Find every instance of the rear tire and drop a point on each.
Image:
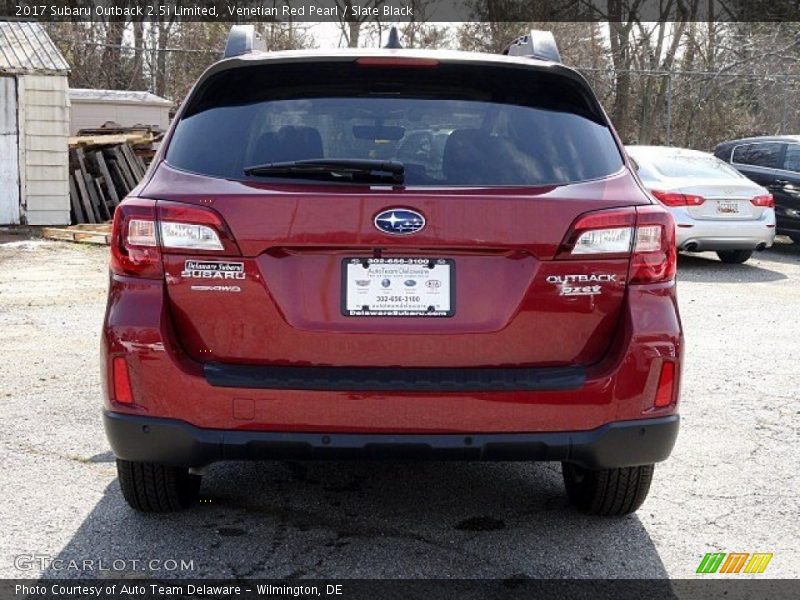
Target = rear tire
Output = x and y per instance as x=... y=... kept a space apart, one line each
x=150 y=487
x=734 y=257
x=607 y=492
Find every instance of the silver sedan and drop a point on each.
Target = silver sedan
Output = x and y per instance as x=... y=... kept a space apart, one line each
x=715 y=207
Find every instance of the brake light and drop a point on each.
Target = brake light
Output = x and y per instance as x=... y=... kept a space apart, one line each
x=766 y=200
x=646 y=234
x=666 y=385
x=396 y=62
x=122 y=382
x=134 y=245
x=677 y=199
x=143 y=229
x=655 y=256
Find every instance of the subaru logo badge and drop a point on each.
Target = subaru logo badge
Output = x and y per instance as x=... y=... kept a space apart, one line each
x=399 y=221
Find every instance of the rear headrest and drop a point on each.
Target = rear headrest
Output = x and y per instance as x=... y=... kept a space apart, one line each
x=291 y=142
x=465 y=155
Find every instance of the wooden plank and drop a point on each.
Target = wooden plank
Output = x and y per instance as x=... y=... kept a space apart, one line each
x=103 y=167
x=130 y=180
x=77 y=209
x=105 y=209
x=104 y=228
x=99 y=206
x=132 y=162
x=100 y=211
x=70 y=235
x=86 y=200
x=119 y=177
x=111 y=140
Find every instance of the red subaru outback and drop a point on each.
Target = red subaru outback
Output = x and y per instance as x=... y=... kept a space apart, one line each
x=392 y=253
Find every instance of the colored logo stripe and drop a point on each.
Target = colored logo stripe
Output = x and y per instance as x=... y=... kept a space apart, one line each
x=735 y=561
x=711 y=562
x=758 y=562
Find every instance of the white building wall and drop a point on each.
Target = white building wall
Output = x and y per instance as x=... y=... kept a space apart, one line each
x=90 y=115
x=44 y=154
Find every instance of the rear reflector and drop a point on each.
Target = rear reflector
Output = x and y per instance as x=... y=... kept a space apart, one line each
x=666 y=385
x=767 y=201
x=677 y=199
x=122 y=382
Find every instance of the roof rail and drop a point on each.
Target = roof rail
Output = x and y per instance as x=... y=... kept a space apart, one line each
x=242 y=39
x=536 y=44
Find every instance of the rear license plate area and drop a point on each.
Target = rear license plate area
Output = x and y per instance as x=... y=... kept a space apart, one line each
x=727 y=208
x=398 y=287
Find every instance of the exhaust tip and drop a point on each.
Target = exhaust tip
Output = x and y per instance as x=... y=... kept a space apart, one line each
x=690 y=247
x=761 y=247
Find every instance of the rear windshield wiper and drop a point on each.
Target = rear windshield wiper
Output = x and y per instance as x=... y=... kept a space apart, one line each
x=355 y=170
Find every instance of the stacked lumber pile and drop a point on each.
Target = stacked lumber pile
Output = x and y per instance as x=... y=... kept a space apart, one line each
x=87 y=234
x=105 y=165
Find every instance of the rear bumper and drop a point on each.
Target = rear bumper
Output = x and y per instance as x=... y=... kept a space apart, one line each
x=700 y=235
x=174 y=442
x=168 y=384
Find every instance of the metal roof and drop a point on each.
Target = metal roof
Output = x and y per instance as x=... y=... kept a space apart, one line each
x=117 y=97
x=26 y=48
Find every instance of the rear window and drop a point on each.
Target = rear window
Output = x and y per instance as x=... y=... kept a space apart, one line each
x=450 y=125
x=694 y=167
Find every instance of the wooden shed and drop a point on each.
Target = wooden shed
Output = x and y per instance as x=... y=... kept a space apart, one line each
x=92 y=108
x=34 y=127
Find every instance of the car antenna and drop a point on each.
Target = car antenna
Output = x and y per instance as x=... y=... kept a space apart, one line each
x=394 y=39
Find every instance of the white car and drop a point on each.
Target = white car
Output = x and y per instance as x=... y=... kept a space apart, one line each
x=714 y=206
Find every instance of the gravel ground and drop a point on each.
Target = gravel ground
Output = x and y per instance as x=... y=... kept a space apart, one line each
x=730 y=486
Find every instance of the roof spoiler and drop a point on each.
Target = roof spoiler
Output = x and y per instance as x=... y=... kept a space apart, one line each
x=242 y=39
x=536 y=44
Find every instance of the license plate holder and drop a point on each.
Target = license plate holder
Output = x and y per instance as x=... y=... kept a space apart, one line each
x=398 y=287
x=727 y=208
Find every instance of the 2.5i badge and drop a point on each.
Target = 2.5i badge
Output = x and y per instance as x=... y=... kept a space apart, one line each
x=213 y=269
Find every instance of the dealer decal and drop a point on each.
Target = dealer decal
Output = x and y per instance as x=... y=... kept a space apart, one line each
x=213 y=269
x=581 y=284
x=216 y=288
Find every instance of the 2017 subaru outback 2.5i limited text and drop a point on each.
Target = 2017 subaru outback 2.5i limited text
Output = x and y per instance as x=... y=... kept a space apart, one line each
x=391 y=253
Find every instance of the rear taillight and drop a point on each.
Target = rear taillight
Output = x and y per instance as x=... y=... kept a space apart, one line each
x=677 y=199
x=143 y=229
x=134 y=245
x=655 y=257
x=606 y=233
x=767 y=201
x=645 y=234
x=199 y=229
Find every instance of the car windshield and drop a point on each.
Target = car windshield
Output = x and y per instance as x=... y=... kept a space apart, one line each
x=500 y=131
x=694 y=167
